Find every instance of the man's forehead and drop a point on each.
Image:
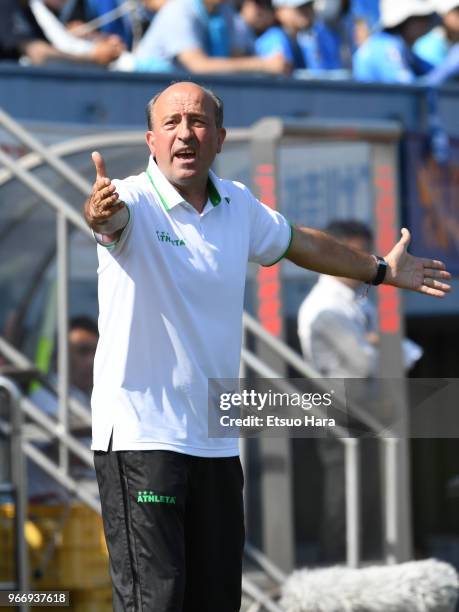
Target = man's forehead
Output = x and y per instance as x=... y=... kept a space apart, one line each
x=182 y=92
x=183 y=99
x=190 y=100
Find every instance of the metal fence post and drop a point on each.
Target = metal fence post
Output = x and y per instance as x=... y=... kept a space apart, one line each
x=276 y=461
x=244 y=442
x=353 y=506
x=390 y=516
x=62 y=333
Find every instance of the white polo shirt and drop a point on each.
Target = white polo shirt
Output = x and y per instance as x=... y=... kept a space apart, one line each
x=171 y=297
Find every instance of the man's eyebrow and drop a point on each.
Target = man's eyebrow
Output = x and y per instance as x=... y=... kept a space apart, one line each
x=169 y=116
x=192 y=115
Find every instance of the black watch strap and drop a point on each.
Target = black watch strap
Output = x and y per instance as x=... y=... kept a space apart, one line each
x=381 y=270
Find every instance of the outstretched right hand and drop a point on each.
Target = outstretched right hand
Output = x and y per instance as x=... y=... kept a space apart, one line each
x=103 y=203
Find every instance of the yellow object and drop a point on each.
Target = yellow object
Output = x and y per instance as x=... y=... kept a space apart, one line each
x=66 y=547
x=33 y=535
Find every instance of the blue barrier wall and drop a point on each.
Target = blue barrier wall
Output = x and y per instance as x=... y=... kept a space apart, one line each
x=99 y=97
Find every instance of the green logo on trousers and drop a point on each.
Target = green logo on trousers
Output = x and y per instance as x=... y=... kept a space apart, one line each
x=149 y=497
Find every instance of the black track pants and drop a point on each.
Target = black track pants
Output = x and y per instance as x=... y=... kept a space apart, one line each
x=174 y=528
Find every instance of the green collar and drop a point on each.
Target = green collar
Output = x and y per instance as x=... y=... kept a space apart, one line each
x=214 y=196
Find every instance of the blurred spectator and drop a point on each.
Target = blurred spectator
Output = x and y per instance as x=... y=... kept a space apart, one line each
x=20 y=35
x=83 y=337
x=440 y=46
x=362 y=31
x=335 y=31
x=142 y=20
x=365 y=15
x=293 y=17
x=367 y=10
x=128 y=19
x=334 y=332
x=87 y=10
x=66 y=45
x=435 y=45
x=29 y=31
x=337 y=340
x=152 y=7
x=253 y=18
x=198 y=36
x=387 y=56
x=337 y=328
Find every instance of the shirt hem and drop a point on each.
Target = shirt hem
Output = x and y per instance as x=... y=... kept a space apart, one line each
x=232 y=451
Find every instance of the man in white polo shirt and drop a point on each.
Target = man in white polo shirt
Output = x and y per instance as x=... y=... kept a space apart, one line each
x=174 y=243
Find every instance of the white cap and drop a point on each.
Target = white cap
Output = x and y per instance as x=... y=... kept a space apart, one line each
x=290 y=3
x=445 y=6
x=395 y=12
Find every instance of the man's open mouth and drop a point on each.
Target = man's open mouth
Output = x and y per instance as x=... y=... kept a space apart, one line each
x=185 y=154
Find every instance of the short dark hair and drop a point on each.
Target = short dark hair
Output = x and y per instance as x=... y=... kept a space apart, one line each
x=218 y=102
x=83 y=322
x=346 y=229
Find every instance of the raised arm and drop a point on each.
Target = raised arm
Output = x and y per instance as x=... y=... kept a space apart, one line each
x=103 y=211
x=320 y=252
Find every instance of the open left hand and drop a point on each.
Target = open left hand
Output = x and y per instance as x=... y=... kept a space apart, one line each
x=415 y=273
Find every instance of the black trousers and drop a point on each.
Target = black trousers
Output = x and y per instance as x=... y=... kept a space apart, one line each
x=174 y=527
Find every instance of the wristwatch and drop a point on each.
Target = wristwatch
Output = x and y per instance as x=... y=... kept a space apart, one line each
x=380 y=271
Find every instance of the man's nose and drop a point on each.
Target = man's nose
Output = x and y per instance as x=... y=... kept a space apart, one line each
x=185 y=132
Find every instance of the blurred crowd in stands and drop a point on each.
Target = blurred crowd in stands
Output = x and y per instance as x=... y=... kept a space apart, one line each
x=389 y=41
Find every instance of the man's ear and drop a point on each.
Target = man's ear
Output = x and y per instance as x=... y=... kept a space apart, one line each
x=150 y=138
x=221 y=138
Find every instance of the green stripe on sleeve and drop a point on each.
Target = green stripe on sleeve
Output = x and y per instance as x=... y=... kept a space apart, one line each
x=286 y=250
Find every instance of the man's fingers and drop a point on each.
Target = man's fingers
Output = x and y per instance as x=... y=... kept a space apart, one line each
x=433 y=263
x=104 y=195
x=437 y=273
x=109 y=210
x=101 y=183
x=107 y=203
x=431 y=291
x=435 y=288
x=110 y=203
x=99 y=164
x=406 y=237
x=435 y=284
x=106 y=191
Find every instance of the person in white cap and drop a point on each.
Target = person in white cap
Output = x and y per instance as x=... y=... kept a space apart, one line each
x=440 y=46
x=387 y=55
